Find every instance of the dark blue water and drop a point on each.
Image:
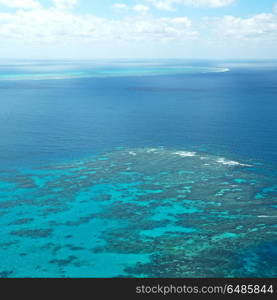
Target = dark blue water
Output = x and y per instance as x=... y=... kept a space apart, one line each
x=60 y=119
x=129 y=172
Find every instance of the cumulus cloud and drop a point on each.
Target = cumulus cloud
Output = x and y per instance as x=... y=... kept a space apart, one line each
x=120 y=6
x=60 y=24
x=65 y=4
x=258 y=27
x=141 y=9
x=170 y=4
x=22 y=4
x=51 y=25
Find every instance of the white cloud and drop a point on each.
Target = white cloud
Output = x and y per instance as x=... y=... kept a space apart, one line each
x=120 y=6
x=65 y=4
x=141 y=9
x=170 y=4
x=163 y=4
x=58 y=25
x=53 y=25
x=22 y=4
x=258 y=27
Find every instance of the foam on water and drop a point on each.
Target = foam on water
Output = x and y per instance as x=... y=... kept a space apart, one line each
x=231 y=162
x=185 y=153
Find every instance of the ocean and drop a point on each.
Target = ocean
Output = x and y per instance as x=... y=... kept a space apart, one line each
x=138 y=168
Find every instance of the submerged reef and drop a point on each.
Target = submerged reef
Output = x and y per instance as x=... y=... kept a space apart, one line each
x=140 y=213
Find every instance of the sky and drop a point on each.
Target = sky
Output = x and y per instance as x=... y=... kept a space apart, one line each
x=138 y=29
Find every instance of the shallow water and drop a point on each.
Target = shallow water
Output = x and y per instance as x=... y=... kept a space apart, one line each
x=66 y=70
x=139 y=212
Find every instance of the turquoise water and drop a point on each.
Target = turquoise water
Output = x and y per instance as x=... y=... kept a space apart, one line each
x=138 y=212
x=110 y=172
x=42 y=71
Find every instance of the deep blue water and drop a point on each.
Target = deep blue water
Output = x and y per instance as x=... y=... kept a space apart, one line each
x=58 y=123
x=60 y=119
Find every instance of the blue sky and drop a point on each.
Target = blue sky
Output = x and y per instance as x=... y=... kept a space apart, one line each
x=92 y=29
x=240 y=8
